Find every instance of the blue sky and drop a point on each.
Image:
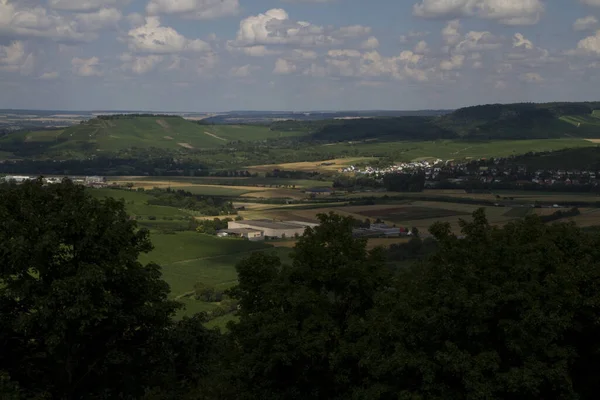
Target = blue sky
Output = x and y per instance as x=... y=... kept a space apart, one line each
x=219 y=55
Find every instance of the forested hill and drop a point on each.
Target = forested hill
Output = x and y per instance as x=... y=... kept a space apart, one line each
x=493 y=121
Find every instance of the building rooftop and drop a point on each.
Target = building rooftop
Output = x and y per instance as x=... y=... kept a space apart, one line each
x=240 y=230
x=265 y=223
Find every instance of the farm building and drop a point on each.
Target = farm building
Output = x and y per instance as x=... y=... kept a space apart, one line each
x=250 y=234
x=272 y=229
x=385 y=230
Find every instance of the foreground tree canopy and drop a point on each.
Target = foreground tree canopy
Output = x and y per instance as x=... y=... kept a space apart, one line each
x=81 y=317
x=502 y=313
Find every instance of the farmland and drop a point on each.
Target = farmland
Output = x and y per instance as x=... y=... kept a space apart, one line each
x=247 y=132
x=453 y=149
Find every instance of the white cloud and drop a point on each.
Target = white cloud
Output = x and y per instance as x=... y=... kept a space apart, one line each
x=344 y=53
x=370 y=43
x=14 y=58
x=275 y=28
x=194 y=9
x=589 y=45
x=140 y=64
x=284 y=67
x=255 y=51
x=478 y=41
x=48 y=76
x=532 y=77
x=86 y=66
x=520 y=41
x=455 y=62
x=103 y=18
x=500 y=85
x=157 y=39
x=450 y=33
x=585 y=23
x=17 y=20
x=421 y=47
x=242 y=72
x=83 y=5
x=508 y=12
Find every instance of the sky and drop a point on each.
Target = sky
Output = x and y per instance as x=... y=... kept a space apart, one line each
x=222 y=55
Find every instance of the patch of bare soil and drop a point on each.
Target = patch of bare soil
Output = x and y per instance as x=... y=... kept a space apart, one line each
x=186 y=145
x=163 y=123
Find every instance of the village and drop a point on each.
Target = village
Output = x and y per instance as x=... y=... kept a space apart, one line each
x=440 y=172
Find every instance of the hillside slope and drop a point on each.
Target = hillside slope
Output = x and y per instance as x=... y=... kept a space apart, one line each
x=485 y=122
x=107 y=134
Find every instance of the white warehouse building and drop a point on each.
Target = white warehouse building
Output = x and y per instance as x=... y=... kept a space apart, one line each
x=272 y=229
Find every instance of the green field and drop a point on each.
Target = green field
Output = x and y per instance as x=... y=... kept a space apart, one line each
x=190 y=257
x=453 y=149
x=225 y=191
x=135 y=203
x=187 y=246
x=248 y=132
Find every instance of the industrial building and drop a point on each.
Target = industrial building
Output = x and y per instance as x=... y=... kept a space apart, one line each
x=250 y=234
x=268 y=228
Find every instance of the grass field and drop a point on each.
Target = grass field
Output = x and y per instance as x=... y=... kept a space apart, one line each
x=453 y=149
x=310 y=166
x=247 y=184
x=246 y=132
x=190 y=257
x=135 y=203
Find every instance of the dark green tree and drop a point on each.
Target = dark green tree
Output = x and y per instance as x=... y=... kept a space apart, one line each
x=299 y=323
x=503 y=313
x=81 y=317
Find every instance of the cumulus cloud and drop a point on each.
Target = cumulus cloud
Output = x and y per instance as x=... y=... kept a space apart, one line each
x=589 y=45
x=520 y=41
x=450 y=33
x=478 y=41
x=455 y=62
x=371 y=65
x=243 y=71
x=284 y=67
x=14 y=58
x=83 y=5
x=140 y=64
x=98 y=20
x=194 y=9
x=585 y=23
x=48 y=76
x=154 y=38
x=508 y=12
x=344 y=53
x=422 y=47
x=17 y=20
x=370 y=43
x=86 y=66
x=275 y=27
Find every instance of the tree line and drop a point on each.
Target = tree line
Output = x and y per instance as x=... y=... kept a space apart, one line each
x=497 y=313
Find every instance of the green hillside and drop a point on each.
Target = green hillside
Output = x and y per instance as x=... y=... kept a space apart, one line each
x=487 y=122
x=116 y=133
